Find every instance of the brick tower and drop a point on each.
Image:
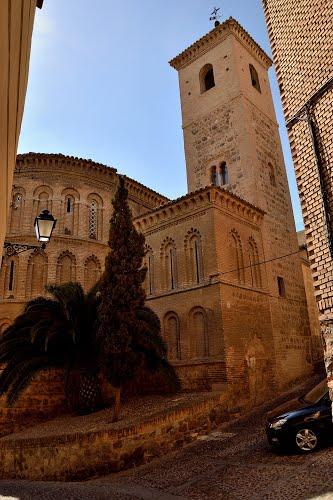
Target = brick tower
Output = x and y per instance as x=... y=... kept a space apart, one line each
x=232 y=140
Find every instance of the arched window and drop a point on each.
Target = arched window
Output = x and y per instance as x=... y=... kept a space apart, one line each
x=254 y=263
x=17 y=211
x=207 y=80
x=66 y=268
x=69 y=204
x=169 y=256
x=95 y=222
x=92 y=272
x=36 y=275
x=271 y=173
x=213 y=176
x=42 y=200
x=11 y=276
x=254 y=78
x=224 y=176
x=199 y=333
x=10 y=270
x=237 y=259
x=69 y=223
x=193 y=250
x=149 y=263
x=172 y=335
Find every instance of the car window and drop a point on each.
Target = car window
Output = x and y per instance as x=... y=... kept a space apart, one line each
x=316 y=393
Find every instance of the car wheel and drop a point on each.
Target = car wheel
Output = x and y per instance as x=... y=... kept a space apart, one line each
x=306 y=440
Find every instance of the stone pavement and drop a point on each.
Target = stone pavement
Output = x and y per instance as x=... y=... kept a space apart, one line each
x=233 y=462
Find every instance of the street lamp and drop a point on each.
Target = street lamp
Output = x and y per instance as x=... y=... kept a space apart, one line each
x=44 y=225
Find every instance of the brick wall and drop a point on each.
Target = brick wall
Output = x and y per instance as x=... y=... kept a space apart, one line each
x=301 y=36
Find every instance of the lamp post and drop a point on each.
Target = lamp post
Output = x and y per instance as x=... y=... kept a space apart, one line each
x=44 y=226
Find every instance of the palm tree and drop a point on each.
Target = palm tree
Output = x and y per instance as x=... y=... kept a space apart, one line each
x=57 y=332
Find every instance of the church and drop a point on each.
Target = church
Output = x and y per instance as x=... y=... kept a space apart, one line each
x=225 y=272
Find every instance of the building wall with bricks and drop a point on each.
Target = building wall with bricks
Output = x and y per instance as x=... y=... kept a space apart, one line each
x=301 y=36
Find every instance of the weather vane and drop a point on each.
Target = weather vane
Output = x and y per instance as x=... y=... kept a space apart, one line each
x=215 y=16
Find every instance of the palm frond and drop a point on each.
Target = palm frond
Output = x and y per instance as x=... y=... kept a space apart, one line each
x=11 y=346
x=8 y=372
x=25 y=371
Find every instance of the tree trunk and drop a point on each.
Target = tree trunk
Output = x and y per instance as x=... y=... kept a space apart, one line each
x=117 y=405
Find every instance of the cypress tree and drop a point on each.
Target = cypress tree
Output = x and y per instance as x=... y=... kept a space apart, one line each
x=126 y=338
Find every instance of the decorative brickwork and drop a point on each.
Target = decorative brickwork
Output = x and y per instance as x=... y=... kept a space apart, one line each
x=301 y=35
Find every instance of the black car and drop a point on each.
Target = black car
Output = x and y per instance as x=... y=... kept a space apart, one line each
x=302 y=423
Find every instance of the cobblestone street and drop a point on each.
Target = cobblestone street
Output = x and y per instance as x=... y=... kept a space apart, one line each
x=233 y=462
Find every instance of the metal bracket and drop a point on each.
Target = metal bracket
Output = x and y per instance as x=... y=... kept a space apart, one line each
x=15 y=248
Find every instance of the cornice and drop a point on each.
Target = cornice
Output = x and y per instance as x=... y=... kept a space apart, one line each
x=210 y=196
x=28 y=161
x=139 y=191
x=215 y=37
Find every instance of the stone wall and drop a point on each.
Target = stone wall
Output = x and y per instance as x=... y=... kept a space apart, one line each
x=43 y=399
x=79 y=455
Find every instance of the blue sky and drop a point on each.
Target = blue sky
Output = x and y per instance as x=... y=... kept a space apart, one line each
x=100 y=85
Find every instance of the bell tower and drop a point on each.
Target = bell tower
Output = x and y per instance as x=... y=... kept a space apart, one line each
x=225 y=94
x=231 y=139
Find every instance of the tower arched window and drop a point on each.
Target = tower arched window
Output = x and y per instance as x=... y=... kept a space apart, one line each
x=254 y=78
x=224 y=175
x=214 y=176
x=172 y=335
x=199 y=334
x=254 y=264
x=149 y=263
x=207 y=79
x=171 y=253
x=237 y=256
x=193 y=250
x=169 y=256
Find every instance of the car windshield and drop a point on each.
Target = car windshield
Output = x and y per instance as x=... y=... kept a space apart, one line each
x=316 y=393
